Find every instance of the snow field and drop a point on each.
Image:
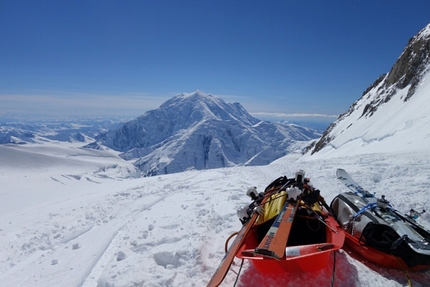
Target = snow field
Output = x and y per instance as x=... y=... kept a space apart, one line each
x=89 y=224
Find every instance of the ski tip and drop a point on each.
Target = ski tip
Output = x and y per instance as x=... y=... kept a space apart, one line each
x=339 y=171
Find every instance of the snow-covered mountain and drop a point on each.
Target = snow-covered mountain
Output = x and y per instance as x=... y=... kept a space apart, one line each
x=76 y=130
x=201 y=131
x=392 y=115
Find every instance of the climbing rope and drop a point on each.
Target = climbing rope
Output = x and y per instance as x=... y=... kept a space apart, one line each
x=228 y=240
x=238 y=274
x=226 y=250
x=334 y=268
x=404 y=271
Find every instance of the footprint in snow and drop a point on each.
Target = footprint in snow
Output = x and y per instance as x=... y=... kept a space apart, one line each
x=203 y=212
x=167 y=259
x=172 y=226
x=145 y=234
x=120 y=256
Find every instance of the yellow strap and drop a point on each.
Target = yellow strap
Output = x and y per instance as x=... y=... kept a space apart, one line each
x=405 y=271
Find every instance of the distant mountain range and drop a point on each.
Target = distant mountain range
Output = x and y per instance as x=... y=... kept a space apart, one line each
x=83 y=130
x=392 y=115
x=201 y=131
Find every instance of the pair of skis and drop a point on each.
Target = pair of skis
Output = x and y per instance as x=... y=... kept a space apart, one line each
x=273 y=244
x=405 y=227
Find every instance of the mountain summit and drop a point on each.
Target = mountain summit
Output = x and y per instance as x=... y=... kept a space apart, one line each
x=392 y=115
x=199 y=106
x=201 y=131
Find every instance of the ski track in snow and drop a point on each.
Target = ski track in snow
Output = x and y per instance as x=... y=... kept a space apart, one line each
x=109 y=231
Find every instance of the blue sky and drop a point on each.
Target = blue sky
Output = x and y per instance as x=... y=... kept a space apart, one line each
x=126 y=57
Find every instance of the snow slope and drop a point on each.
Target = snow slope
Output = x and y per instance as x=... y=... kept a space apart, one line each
x=396 y=126
x=77 y=217
x=392 y=115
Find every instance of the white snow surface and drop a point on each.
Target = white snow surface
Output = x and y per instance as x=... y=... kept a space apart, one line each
x=77 y=217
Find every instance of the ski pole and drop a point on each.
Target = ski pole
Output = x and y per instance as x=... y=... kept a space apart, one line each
x=317 y=216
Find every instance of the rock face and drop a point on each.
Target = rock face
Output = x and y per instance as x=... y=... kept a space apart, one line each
x=201 y=131
x=412 y=64
x=395 y=89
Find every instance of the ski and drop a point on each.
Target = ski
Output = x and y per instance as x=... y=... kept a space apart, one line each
x=274 y=243
x=406 y=228
x=347 y=180
x=225 y=264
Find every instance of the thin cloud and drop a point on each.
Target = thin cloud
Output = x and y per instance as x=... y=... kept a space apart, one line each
x=293 y=115
x=79 y=103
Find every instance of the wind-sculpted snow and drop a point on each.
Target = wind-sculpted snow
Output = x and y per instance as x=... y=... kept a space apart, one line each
x=114 y=231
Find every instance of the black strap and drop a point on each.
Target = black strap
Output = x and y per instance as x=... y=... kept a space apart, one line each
x=280 y=181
